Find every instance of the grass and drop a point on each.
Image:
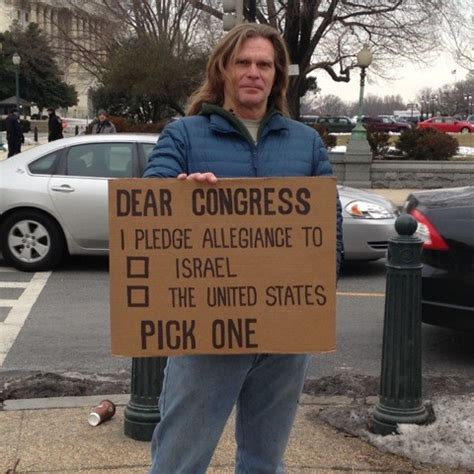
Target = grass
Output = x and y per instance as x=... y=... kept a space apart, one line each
x=465 y=139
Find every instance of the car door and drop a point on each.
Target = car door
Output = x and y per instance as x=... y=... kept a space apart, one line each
x=324 y=121
x=80 y=191
x=345 y=125
x=387 y=125
x=451 y=125
x=439 y=124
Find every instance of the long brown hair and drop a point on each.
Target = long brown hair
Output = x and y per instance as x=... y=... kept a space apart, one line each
x=212 y=89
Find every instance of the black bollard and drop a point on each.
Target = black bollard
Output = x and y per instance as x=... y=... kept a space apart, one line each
x=400 y=381
x=142 y=413
x=35 y=134
x=76 y=130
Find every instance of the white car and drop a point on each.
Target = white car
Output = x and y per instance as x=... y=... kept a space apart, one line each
x=54 y=199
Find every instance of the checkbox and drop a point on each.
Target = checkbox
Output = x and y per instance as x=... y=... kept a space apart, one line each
x=137 y=296
x=137 y=267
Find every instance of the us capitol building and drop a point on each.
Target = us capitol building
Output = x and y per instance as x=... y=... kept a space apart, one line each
x=61 y=19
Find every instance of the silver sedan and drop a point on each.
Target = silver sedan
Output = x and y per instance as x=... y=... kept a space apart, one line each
x=369 y=222
x=54 y=200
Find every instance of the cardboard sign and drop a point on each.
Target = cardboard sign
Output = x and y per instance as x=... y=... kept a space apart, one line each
x=243 y=266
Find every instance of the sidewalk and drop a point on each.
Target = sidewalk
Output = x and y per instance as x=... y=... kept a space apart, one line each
x=52 y=435
x=29 y=143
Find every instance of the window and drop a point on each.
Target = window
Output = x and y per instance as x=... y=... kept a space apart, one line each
x=148 y=148
x=100 y=160
x=27 y=17
x=45 y=164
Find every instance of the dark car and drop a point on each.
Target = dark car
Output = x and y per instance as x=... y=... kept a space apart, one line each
x=309 y=119
x=384 y=124
x=340 y=124
x=446 y=224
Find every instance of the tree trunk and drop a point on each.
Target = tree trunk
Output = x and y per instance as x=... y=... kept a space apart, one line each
x=294 y=96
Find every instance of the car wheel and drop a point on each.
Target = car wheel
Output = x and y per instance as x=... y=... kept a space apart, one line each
x=31 y=241
x=465 y=130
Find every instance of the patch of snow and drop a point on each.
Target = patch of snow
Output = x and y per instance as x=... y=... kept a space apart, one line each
x=462 y=151
x=465 y=150
x=448 y=441
x=338 y=149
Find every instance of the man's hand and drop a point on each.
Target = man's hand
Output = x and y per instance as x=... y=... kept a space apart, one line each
x=199 y=177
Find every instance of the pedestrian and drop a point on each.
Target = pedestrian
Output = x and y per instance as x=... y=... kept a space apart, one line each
x=103 y=124
x=55 y=126
x=237 y=126
x=14 y=131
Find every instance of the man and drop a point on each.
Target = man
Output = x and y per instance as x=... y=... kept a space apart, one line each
x=103 y=124
x=55 y=126
x=14 y=131
x=237 y=127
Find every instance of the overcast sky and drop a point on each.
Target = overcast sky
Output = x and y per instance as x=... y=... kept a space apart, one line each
x=411 y=79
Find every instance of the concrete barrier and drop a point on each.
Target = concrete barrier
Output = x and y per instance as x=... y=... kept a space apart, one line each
x=402 y=174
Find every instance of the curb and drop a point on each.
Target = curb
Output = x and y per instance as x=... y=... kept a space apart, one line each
x=63 y=402
x=123 y=399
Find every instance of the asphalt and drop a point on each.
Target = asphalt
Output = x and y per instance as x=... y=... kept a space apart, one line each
x=52 y=435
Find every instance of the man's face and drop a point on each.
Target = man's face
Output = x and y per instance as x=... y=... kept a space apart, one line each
x=251 y=76
x=102 y=117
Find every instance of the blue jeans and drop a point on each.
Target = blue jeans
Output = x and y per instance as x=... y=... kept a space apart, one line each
x=198 y=395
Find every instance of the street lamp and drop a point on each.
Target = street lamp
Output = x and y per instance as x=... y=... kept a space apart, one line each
x=358 y=156
x=433 y=100
x=468 y=99
x=364 y=60
x=16 y=58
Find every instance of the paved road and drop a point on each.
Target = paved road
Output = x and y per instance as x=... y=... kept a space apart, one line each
x=360 y=310
x=62 y=325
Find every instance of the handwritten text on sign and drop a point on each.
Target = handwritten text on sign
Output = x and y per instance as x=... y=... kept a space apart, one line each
x=244 y=266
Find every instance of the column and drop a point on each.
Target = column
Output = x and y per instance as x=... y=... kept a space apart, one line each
x=34 y=12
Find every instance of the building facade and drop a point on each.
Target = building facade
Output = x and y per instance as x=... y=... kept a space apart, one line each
x=70 y=28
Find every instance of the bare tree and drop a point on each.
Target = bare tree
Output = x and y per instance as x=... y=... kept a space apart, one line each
x=459 y=34
x=450 y=99
x=90 y=30
x=324 y=104
x=325 y=35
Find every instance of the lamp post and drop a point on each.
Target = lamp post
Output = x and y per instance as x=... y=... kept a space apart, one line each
x=364 y=60
x=468 y=99
x=16 y=58
x=358 y=156
x=433 y=100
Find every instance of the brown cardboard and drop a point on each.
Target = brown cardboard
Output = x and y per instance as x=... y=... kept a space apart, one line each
x=177 y=246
